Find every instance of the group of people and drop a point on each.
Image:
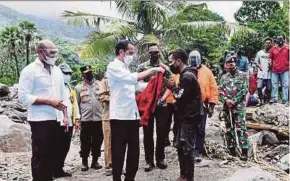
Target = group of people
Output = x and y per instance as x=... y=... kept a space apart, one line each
x=268 y=71
x=113 y=108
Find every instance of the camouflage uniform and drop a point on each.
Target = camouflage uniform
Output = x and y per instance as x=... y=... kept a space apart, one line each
x=235 y=88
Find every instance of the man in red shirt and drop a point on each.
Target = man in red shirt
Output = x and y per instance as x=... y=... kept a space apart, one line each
x=280 y=69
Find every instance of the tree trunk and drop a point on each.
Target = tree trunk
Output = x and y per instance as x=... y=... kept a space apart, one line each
x=280 y=130
x=27 y=53
x=17 y=67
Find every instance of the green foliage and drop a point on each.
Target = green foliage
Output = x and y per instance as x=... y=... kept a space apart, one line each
x=256 y=11
x=278 y=23
x=252 y=42
x=267 y=18
x=144 y=22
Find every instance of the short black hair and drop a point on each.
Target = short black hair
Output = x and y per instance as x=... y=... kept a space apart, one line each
x=280 y=34
x=121 y=45
x=268 y=38
x=179 y=53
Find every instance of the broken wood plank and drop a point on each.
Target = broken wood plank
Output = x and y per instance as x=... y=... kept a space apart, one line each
x=259 y=126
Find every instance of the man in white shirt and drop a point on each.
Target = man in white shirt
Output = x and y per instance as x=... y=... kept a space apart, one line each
x=65 y=133
x=42 y=89
x=124 y=115
x=264 y=73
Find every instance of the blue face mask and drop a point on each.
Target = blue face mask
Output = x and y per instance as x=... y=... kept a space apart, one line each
x=195 y=61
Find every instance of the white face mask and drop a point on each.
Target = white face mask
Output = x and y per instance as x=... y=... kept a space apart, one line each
x=128 y=59
x=66 y=78
x=50 y=60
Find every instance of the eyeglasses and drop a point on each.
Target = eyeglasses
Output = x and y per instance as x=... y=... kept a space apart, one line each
x=50 y=51
x=154 y=53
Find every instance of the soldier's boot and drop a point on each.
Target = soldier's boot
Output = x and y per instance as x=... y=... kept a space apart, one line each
x=85 y=166
x=95 y=164
x=244 y=156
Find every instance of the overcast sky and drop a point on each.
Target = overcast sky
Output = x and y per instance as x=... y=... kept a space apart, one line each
x=55 y=8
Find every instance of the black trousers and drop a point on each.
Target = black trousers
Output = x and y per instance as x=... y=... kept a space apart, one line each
x=186 y=164
x=91 y=139
x=200 y=139
x=170 y=118
x=161 y=115
x=63 y=145
x=43 y=149
x=125 y=133
x=186 y=151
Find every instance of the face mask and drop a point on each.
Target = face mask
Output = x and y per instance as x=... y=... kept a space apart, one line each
x=128 y=59
x=66 y=78
x=173 y=69
x=195 y=61
x=280 y=42
x=89 y=76
x=154 y=58
x=50 y=60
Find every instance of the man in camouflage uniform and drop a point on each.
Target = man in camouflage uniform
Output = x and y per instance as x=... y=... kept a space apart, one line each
x=161 y=115
x=233 y=89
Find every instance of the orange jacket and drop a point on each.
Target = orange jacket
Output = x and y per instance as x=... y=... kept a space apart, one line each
x=170 y=99
x=208 y=85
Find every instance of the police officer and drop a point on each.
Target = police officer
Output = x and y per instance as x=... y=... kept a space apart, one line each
x=91 y=118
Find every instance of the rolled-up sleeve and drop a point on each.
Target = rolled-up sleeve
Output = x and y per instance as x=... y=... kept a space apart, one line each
x=26 y=84
x=120 y=74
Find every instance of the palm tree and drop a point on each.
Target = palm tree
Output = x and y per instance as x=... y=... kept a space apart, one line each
x=142 y=22
x=10 y=38
x=29 y=33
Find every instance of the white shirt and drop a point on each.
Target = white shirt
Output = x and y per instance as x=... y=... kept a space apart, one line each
x=122 y=84
x=262 y=59
x=36 y=82
x=68 y=102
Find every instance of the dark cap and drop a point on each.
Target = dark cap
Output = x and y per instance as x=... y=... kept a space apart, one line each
x=64 y=67
x=86 y=69
x=231 y=59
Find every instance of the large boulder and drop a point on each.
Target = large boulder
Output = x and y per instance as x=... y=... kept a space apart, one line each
x=14 y=110
x=272 y=114
x=4 y=90
x=270 y=138
x=251 y=174
x=14 y=137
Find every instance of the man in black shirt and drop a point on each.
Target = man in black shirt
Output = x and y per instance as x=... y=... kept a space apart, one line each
x=188 y=111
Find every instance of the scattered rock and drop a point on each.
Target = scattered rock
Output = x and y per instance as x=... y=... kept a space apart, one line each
x=273 y=114
x=251 y=174
x=4 y=90
x=14 y=137
x=270 y=138
x=213 y=133
x=280 y=151
x=284 y=163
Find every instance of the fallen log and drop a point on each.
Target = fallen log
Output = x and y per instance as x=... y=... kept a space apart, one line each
x=259 y=126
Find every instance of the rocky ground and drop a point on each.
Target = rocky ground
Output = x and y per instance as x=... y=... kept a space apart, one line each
x=269 y=150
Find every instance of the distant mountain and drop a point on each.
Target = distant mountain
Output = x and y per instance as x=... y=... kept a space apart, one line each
x=47 y=27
